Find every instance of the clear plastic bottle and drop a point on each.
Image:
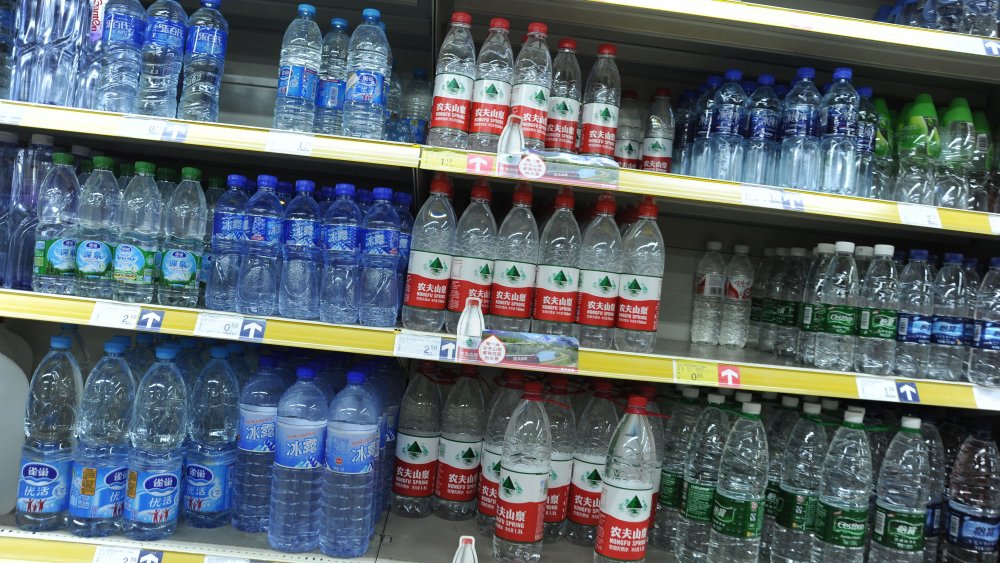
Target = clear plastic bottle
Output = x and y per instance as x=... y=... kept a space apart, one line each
x=505 y=401
x=260 y=273
x=867 y=133
x=124 y=31
x=184 y=231
x=709 y=289
x=879 y=314
x=492 y=89
x=556 y=281
x=298 y=297
x=736 y=305
x=973 y=496
x=417 y=107
x=658 y=139
x=981 y=168
x=772 y=298
x=840 y=292
x=56 y=234
x=948 y=346
x=760 y=158
x=138 y=243
x=379 y=291
x=628 y=137
x=901 y=506
x=229 y=234
x=979 y=18
x=600 y=277
x=298 y=73
x=761 y=279
x=603 y=123
x=958 y=140
x=524 y=475
x=685 y=122
x=562 y=427
x=162 y=59
x=418 y=439
x=31 y=165
x=799 y=162
x=529 y=98
x=453 y=86
x=8 y=41
x=204 y=63
x=594 y=431
x=401 y=202
x=863 y=256
x=697 y=163
x=472 y=268
x=675 y=451
x=790 y=288
x=884 y=176
x=339 y=297
x=332 y=79
x=839 y=129
x=564 y=101
x=368 y=71
x=431 y=255
x=300 y=443
x=842 y=509
x=935 y=490
x=918 y=147
x=511 y=296
x=916 y=311
x=985 y=360
x=726 y=144
x=156 y=433
x=778 y=425
x=738 y=507
x=211 y=448
x=641 y=282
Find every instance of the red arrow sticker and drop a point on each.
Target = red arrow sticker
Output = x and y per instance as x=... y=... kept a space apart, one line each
x=729 y=376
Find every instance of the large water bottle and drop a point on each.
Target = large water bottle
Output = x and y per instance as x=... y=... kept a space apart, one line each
x=867 y=133
x=211 y=450
x=55 y=236
x=260 y=273
x=761 y=279
x=760 y=158
x=135 y=261
x=772 y=298
x=798 y=493
x=736 y=305
x=902 y=490
x=916 y=310
x=367 y=73
x=602 y=123
x=948 y=347
x=505 y=400
x=418 y=438
x=799 y=162
x=979 y=18
x=43 y=490
x=51 y=68
x=459 y=452
x=124 y=32
x=840 y=292
x=332 y=79
x=298 y=296
x=341 y=253
x=973 y=525
x=980 y=173
x=431 y=251
x=352 y=436
x=918 y=147
x=658 y=139
x=184 y=231
x=30 y=169
x=778 y=426
x=709 y=288
x=789 y=288
x=162 y=59
x=475 y=252
x=985 y=361
x=701 y=474
x=839 y=129
x=600 y=273
x=532 y=84
x=935 y=489
x=562 y=427
x=523 y=482
x=416 y=111
x=401 y=202
x=157 y=430
x=453 y=86
x=738 y=507
x=641 y=282
x=594 y=431
x=879 y=314
x=300 y=441
x=298 y=72
x=697 y=163
x=8 y=42
x=229 y=235
x=97 y=231
x=492 y=89
x=564 y=103
x=204 y=63
x=675 y=451
x=958 y=140
x=556 y=280
x=726 y=144
x=628 y=137
x=379 y=291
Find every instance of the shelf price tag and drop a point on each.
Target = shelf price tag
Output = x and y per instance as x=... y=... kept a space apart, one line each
x=112 y=554
x=226 y=559
x=987 y=398
x=424 y=347
x=216 y=325
x=11 y=114
x=115 y=315
x=153 y=129
x=994 y=223
x=290 y=143
x=877 y=389
x=919 y=215
x=698 y=373
x=762 y=196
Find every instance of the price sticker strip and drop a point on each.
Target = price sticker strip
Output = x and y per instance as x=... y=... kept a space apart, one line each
x=216 y=325
x=115 y=315
x=424 y=347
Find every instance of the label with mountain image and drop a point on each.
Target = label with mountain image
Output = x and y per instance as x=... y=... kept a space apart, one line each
x=842 y=527
x=416 y=465
x=457 y=470
x=564 y=117
x=490 y=106
x=452 y=98
x=521 y=505
x=489 y=482
x=560 y=475
x=427 y=280
x=470 y=277
x=623 y=521
x=597 y=298
x=600 y=126
x=585 y=489
x=657 y=153
x=638 y=302
x=555 y=293
x=737 y=518
x=513 y=289
x=530 y=102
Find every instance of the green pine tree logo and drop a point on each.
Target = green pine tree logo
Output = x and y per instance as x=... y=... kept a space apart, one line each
x=634 y=287
x=605 y=115
x=485 y=272
x=629 y=149
x=605 y=285
x=509 y=487
x=562 y=109
x=492 y=92
x=513 y=274
x=593 y=478
x=436 y=266
x=657 y=146
x=634 y=506
x=495 y=469
x=453 y=87
x=415 y=450
x=468 y=457
x=561 y=279
x=540 y=97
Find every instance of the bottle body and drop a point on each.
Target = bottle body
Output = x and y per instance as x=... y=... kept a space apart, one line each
x=121 y=56
x=204 y=65
x=367 y=74
x=162 y=59
x=298 y=74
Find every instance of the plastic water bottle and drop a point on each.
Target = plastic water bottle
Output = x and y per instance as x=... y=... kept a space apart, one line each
x=556 y=280
x=492 y=90
x=211 y=451
x=901 y=506
x=298 y=297
x=260 y=273
x=379 y=292
x=879 y=314
x=294 y=518
x=863 y=256
x=505 y=401
x=189 y=361
x=97 y=231
x=697 y=162
x=55 y=236
x=758 y=293
x=675 y=451
x=916 y=311
x=475 y=252
x=332 y=79
x=523 y=482
x=156 y=432
x=841 y=529
x=511 y=296
x=867 y=133
x=418 y=438
x=595 y=429
x=50 y=417
x=973 y=527
x=562 y=427
x=416 y=112
x=431 y=255
x=298 y=72
x=229 y=234
x=958 y=139
x=948 y=348
x=736 y=305
x=31 y=166
x=726 y=144
x=453 y=86
x=184 y=230
x=979 y=178
x=162 y=59
x=772 y=298
x=629 y=135
x=124 y=32
x=339 y=297
x=532 y=84
x=986 y=345
x=935 y=490
x=401 y=202
x=685 y=123
x=600 y=267
x=138 y=245
x=367 y=72
x=352 y=435
x=840 y=292
x=738 y=509
x=459 y=452
x=204 y=63
x=839 y=129
x=709 y=288
x=564 y=102
x=761 y=148
x=641 y=282
x=979 y=18
x=799 y=162
x=658 y=139
x=602 y=122
x=8 y=40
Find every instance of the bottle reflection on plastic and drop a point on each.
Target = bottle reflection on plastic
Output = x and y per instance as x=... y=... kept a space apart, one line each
x=512 y=137
x=470 y=330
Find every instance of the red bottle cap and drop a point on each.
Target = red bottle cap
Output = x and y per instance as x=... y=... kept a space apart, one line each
x=533 y=391
x=564 y=201
x=567 y=43
x=648 y=209
x=513 y=380
x=524 y=197
x=607 y=49
x=538 y=27
x=606 y=207
x=663 y=92
x=602 y=389
x=636 y=405
x=559 y=383
x=630 y=95
x=648 y=391
x=499 y=23
x=481 y=190
x=461 y=17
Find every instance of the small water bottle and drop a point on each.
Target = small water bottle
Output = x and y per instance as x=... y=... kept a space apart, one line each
x=339 y=296
x=475 y=248
x=379 y=292
x=726 y=145
x=453 y=86
x=368 y=70
x=228 y=238
x=948 y=348
x=564 y=101
x=431 y=256
x=736 y=305
x=600 y=277
x=799 y=161
x=416 y=111
x=332 y=80
x=840 y=291
x=98 y=231
x=557 y=277
x=838 y=145
x=973 y=521
x=760 y=159
x=532 y=85
x=901 y=503
x=298 y=73
x=55 y=236
x=162 y=59
x=492 y=89
x=709 y=287
x=514 y=269
x=204 y=63
x=298 y=295
x=417 y=444
x=879 y=315
x=641 y=282
x=138 y=245
x=658 y=139
x=463 y=422
x=121 y=56
x=184 y=230
x=260 y=273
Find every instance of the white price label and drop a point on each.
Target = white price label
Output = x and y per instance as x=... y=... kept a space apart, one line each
x=919 y=215
x=215 y=325
x=11 y=114
x=225 y=559
x=290 y=143
x=762 y=196
x=994 y=224
x=155 y=129
x=420 y=346
x=986 y=398
x=877 y=389
x=115 y=315
x=110 y=554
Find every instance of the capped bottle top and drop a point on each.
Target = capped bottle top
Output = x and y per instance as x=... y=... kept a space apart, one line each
x=305 y=186
x=953 y=258
x=648 y=210
x=286 y=188
x=910 y=423
x=103 y=163
x=266 y=361
x=790 y=401
x=958 y=112
x=607 y=49
x=865 y=251
x=741 y=249
x=441 y=185
x=636 y=405
x=663 y=93
x=125 y=340
x=8 y=137
x=971 y=263
x=146 y=168
x=307 y=10
x=715 y=81
x=419 y=74
x=751 y=408
x=461 y=17
x=267 y=181
x=557 y=382
x=532 y=390
x=567 y=44
x=305 y=373
x=114 y=347
x=647 y=390
x=60 y=343
x=765 y=80
x=165 y=174
x=382 y=194
x=365 y=195
x=45 y=140
x=499 y=23
x=923 y=104
x=62 y=158
x=845 y=246
x=344 y=189
x=886 y=250
x=689 y=393
x=481 y=190
x=234 y=347
x=831 y=404
x=714 y=245
x=716 y=399
x=513 y=379
x=602 y=389
x=538 y=27
x=918 y=254
x=190 y=173
x=402 y=198
x=744 y=396
x=733 y=75
x=805 y=72
x=338 y=23
x=237 y=181
x=166 y=352
x=812 y=408
x=981 y=122
x=995 y=262
x=865 y=91
x=630 y=95
x=355 y=377
x=189 y=343
x=219 y=352
x=371 y=14
x=564 y=201
x=797 y=251
x=856 y=408
x=523 y=194
x=606 y=207
x=854 y=417
x=825 y=248
x=842 y=73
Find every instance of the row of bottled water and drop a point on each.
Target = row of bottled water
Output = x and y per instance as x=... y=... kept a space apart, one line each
x=961 y=16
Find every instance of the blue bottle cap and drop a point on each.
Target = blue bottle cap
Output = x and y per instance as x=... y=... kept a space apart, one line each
x=189 y=343
x=345 y=189
x=733 y=75
x=61 y=343
x=748 y=85
x=382 y=194
x=266 y=361
x=971 y=263
x=327 y=191
x=211 y=3
x=844 y=73
x=266 y=181
x=307 y=10
x=144 y=338
x=338 y=23
x=356 y=377
x=285 y=188
x=918 y=254
x=219 y=353
x=995 y=262
x=715 y=81
x=765 y=80
x=305 y=373
x=166 y=352
x=781 y=90
x=371 y=14
x=953 y=258
x=236 y=180
x=305 y=186
x=114 y=347
x=806 y=72
x=364 y=195
x=419 y=74
x=402 y=198
x=234 y=347
x=865 y=91
x=125 y=340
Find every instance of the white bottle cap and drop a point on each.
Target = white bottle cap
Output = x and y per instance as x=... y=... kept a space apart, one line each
x=810 y=398
x=825 y=248
x=689 y=393
x=781 y=251
x=7 y=137
x=864 y=251
x=715 y=399
x=80 y=150
x=768 y=252
x=790 y=401
x=714 y=246
x=854 y=417
x=812 y=408
x=751 y=408
x=798 y=251
x=741 y=249
x=830 y=404
x=769 y=395
x=744 y=397
x=855 y=409
x=39 y=139
x=844 y=246
x=910 y=423
x=887 y=250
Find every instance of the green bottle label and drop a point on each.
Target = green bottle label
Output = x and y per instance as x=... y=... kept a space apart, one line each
x=738 y=518
x=796 y=511
x=55 y=257
x=696 y=501
x=767 y=310
x=812 y=317
x=877 y=323
x=135 y=265
x=771 y=498
x=899 y=530
x=671 y=485
x=756 y=309
x=841 y=320
x=786 y=312
x=843 y=527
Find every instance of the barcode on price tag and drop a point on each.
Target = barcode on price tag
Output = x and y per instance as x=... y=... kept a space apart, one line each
x=110 y=554
x=290 y=143
x=876 y=389
x=919 y=215
x=115 y=315
x=215 y=325
x=986 y=398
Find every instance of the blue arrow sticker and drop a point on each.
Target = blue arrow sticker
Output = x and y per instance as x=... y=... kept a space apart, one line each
x=907 y=391
x=174 y=132
x=150 y=320
x=148 y=556
x=792 y=202
x=448 y=349
x=992 y=47
x=253 y=330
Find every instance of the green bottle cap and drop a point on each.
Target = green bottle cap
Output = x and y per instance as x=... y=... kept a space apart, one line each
x=126 y=170
x=216 y=182
x=62 y=158
x=190 y=173
x=86 y=166
x=881 y=107
x=103 y=163
x=957 y=112
x=981 y=121
x=145 y=168
x=164 y=174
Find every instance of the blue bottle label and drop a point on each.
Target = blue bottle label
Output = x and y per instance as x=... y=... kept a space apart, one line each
x=98 y=492
x=229 y=225
x=43 y=487
x=205 y=40
x=165 y=32
x=932 y=525
x=979 y=533
x=704 y=125
x=301 y=232
x=257 y=428
x=124 y=29
x=417 y=130
x=914 y=328
x=987 y=335
x=382 y=242
x=94 y=259
x=206 y=487
x=180 y=268
x=331 y=94
x=262 y=228
x=866 y=137
x=343 y=238
x=726 y=119
x=404 y=245
x=762 y=125
x=152 y=496
x=295 y=81
x=366 y=86
x=799 y=122
x=351 y=448
x=300 y=443
x=841 y=119
x=949 y=331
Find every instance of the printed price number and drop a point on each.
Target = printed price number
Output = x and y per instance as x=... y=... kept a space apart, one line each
x=290 y=143
x=700 y=373
x=153 y=129
x=214 y=325
x=919 y=215
x=115 y=315
x=877 y=389
x=424 y=347
x=111 y=554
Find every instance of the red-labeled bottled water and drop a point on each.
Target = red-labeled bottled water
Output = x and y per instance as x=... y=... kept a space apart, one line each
x=600 y=273
x=564 y=103
x=532 y=85
x=658 y=138
x=641 y=281
x=460 y=449
x=453 y=86
x=628 y=139
x=600 y=108
x=491 y=91
x=417 y=439
x=594 y=430
x=429 y=270
x=513 y=291
x=475 y=250
x=505 y=401
x=556 y=280
x=562 y=425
